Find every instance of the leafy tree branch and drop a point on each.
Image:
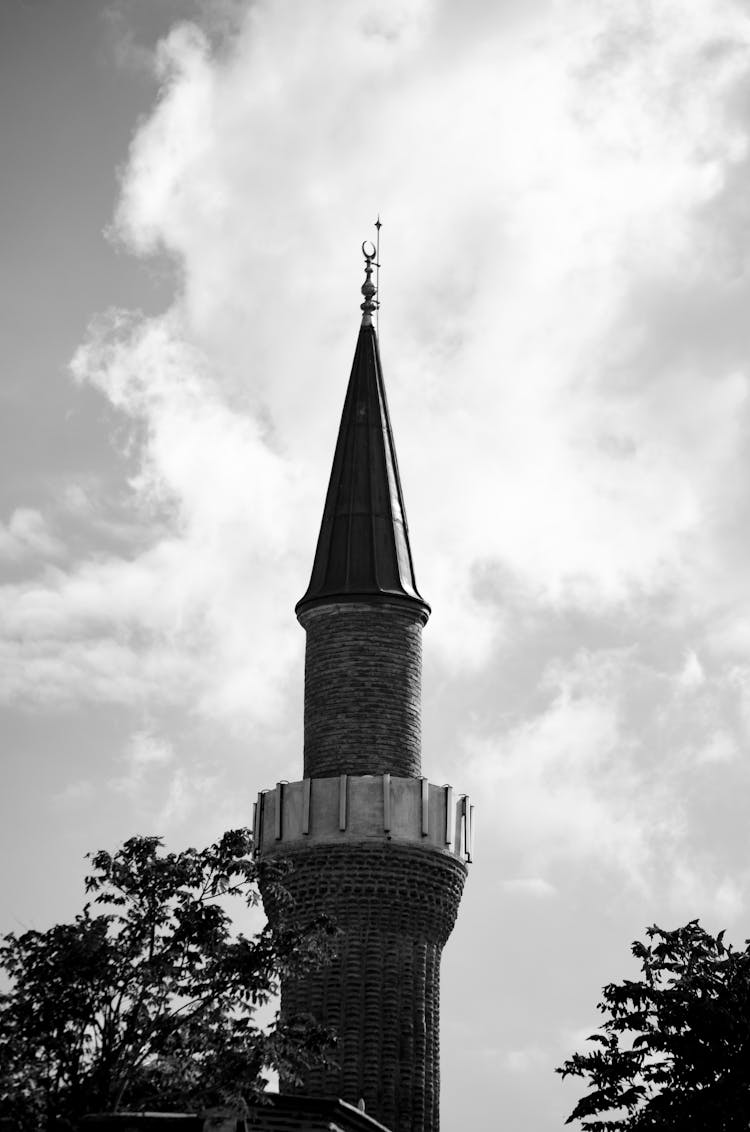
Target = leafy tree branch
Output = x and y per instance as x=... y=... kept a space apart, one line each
x=674 y=1049
x=148 y=998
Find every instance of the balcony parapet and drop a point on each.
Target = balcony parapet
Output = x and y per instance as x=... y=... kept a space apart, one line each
x=368 y=807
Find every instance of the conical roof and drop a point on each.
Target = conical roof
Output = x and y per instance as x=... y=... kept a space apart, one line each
x=363 y=547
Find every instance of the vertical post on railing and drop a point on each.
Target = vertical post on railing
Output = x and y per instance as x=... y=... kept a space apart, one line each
x=258 y=824
x=450 y=816
x=425 y=787
x=342 y=801
x=279 y=804
x=387 y=802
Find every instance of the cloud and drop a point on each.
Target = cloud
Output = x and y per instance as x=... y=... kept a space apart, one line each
x=174 y=620
x=721 y=747
x=80 y=792
x=146 y=750
x=145 y=754
x=128 y=53
x=27 y=535
x=730 y=900
x=163 y=792
x=551 y=189
x=536 y=887
x=620 y=772
x=564 y=782
x=716 y=895
x=583 y=478
x=187 y=792
x=525 y=1060
x=693 y=674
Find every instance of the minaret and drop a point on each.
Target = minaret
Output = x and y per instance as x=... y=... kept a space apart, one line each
x=372 y=843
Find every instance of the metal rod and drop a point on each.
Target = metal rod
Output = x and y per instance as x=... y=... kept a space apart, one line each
x=306 y=782
x=387 y=802
x=378 y=225
x=425 y=807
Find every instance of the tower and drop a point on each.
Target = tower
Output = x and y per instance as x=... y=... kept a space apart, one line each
x=371 y=841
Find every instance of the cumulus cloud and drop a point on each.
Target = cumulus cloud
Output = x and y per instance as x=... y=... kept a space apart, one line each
x=568 y=417
x=525 y=1060
x=178 y=618
x=536 y=887
x=80 y=792
x=187 y=792
x=163 y=790
x=526 y=273
x=623 y=770
x=565 y=784
x=27 y=535
x=145 y=753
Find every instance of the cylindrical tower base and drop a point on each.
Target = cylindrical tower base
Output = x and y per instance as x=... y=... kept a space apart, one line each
x=395 y=906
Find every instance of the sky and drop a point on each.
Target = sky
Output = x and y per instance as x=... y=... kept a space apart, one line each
x=184 y=189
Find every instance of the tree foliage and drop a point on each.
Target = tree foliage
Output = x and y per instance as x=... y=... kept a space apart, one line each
x=148 y=999
x=674 y=1051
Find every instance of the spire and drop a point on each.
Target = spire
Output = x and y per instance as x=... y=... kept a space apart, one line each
x=363 y=547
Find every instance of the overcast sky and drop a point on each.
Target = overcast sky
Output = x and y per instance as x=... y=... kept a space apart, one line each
x=184 y=188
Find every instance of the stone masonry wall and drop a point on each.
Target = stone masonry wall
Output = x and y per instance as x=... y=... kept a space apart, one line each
x=396 y=906
x=363 y=678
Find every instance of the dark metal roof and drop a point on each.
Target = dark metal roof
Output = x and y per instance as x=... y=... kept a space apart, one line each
x=363 y=547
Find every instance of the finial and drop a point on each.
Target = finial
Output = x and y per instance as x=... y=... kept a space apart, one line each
x=369 y=290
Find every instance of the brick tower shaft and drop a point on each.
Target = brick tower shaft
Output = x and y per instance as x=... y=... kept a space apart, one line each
x=363 y=689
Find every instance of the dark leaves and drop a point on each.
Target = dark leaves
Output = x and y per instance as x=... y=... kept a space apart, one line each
x=149 y=1002
x=674 y=1049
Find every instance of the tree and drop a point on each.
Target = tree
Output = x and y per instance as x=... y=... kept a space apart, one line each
x=148 y=999
x=674 y=1051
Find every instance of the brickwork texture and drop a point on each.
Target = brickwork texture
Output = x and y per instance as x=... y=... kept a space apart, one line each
x=396 y=906
x=363 y=683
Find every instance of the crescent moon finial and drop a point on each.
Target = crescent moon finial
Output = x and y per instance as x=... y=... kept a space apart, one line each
x=369 y=290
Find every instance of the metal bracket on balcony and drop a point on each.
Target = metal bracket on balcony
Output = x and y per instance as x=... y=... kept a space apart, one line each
x=387 y=802
x=258 y=824
x=425 y=785
x=279 y=808
x=342 y=802
x=450 y=816
x=466 y=838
